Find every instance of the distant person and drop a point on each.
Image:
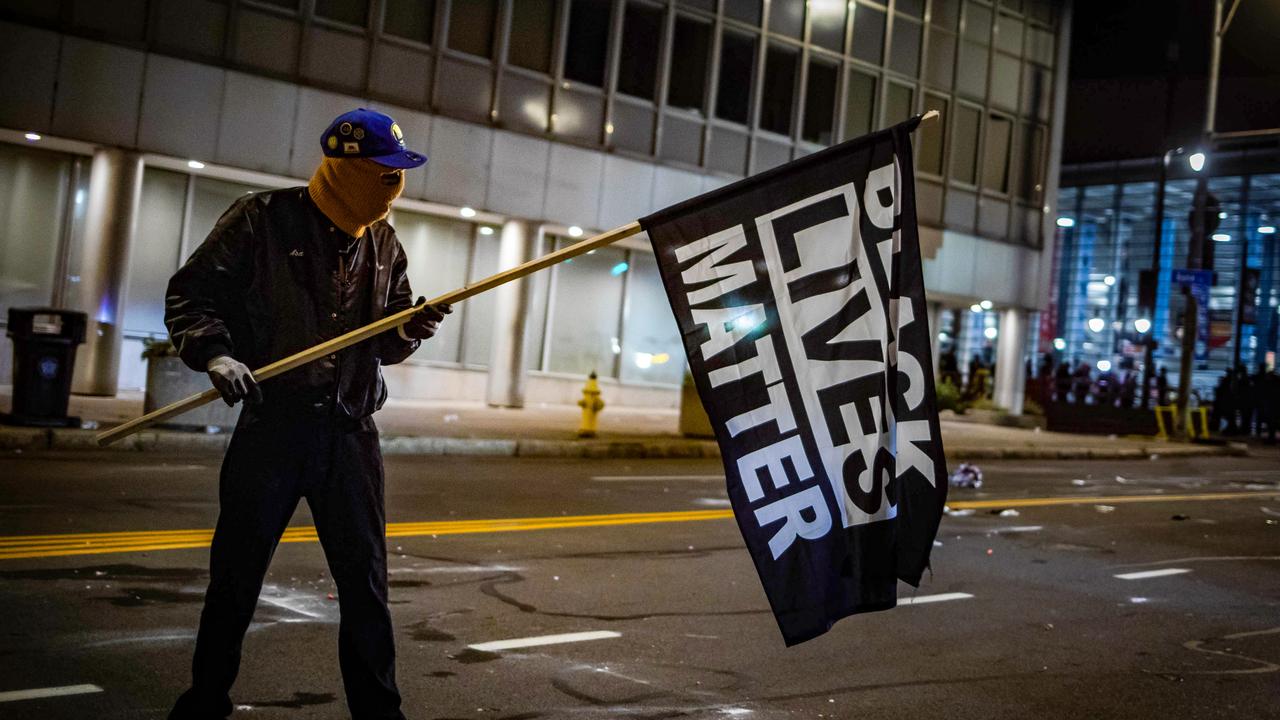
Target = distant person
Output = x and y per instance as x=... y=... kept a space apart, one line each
x=1129 y=389
x=1246 y=399
x=280 y=272
x=1082 y=383
x=1222 y=415
x=1062 y=383
x=1162 y=386
x=949 y=367
x=1269 y=394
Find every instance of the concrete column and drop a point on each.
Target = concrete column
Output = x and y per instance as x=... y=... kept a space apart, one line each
x=518 y=243
x=111 y=215
x=935 y=345
x=1011 y=375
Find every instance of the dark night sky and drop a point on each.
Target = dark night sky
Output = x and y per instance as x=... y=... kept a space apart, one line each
x=1139 y=68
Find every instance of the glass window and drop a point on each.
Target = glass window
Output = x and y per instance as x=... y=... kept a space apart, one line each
x=585 y=51
x=929 y=158
x=995 y=165
x=1004 y=82
x=897 y=103
x=438 y=251
x=819 y=102
x=33 y=188
x=737 y=59
x=904 y=55
x=826 y=25
x=691 y=46
x=412 y=19
x=70 y=290
x=585 y=312
x=351 y=12
x=868 y=34
x=531 y=31
x=977 y=23
x=212 y=198
x=637 y=66
x=971 y=70
x=945 y=13
x=940 y=61
x=154 y=256
x=964 y=144
x=745 y=10
x=1031 y=161
x=471 y=26
x=786 y=17
x=779 y=89
x=477 y=313
x=651 y=347
x=860 y=104
x=914 y=8
x=1009 y=35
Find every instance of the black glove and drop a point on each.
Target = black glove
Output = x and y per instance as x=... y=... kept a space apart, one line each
x=426 y=322
x=234 y=380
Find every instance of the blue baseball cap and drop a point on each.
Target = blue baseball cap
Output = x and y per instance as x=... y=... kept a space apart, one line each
x=369 y=134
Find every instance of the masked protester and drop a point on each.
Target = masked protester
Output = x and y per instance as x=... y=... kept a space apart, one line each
x=282 y=271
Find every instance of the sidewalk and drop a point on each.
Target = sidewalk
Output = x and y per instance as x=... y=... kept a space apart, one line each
x=458 y=428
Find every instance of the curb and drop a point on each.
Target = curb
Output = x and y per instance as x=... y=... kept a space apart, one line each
x=1128 y=453
x=19 y=440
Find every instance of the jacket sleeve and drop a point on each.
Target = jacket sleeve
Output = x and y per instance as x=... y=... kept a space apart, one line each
x=393 y=347
x=196 y=302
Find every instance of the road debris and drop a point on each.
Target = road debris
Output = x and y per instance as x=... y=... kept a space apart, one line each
x=966 y=476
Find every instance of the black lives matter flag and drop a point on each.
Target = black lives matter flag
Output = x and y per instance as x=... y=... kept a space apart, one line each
x=800 y=300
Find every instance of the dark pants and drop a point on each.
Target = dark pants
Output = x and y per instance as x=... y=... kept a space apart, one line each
x=269 y=466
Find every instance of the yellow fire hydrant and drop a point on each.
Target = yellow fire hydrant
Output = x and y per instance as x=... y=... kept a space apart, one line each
x=591 y=405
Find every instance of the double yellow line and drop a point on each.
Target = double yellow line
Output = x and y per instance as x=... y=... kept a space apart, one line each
x=17 y=547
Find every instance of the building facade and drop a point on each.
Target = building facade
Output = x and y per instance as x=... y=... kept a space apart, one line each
x=129 y=126
x=1117 y=220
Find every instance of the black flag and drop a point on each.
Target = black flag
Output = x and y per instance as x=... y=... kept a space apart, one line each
x=800 y=299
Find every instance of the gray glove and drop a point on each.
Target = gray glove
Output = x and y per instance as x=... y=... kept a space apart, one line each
x=234 y=380
x=426 y=323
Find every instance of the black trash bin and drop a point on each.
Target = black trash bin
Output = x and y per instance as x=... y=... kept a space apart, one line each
x=44 y=355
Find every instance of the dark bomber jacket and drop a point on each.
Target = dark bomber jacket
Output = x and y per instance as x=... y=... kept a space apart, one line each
x=274 y=277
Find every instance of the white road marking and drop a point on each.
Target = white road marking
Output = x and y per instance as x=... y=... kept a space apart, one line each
x=306 y=604
x=713 y=502
x=460 y=569
x=540 y=640
x=1017 y=529
x=654 y=478
x=1144 y=574
x=943 y=597
x=37 y=693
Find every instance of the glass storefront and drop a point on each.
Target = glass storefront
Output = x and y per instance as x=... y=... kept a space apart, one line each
x=1107 y=241
x=606 y=311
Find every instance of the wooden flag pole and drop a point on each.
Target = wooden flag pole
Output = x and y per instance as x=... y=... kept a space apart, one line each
x=361 y=334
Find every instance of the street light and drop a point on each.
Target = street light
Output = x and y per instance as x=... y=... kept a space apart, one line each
x=1196 y=161
x=1142 y=325
x=1096 y=324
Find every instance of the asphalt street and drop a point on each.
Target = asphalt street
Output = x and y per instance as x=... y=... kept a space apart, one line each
x=1082 y=589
